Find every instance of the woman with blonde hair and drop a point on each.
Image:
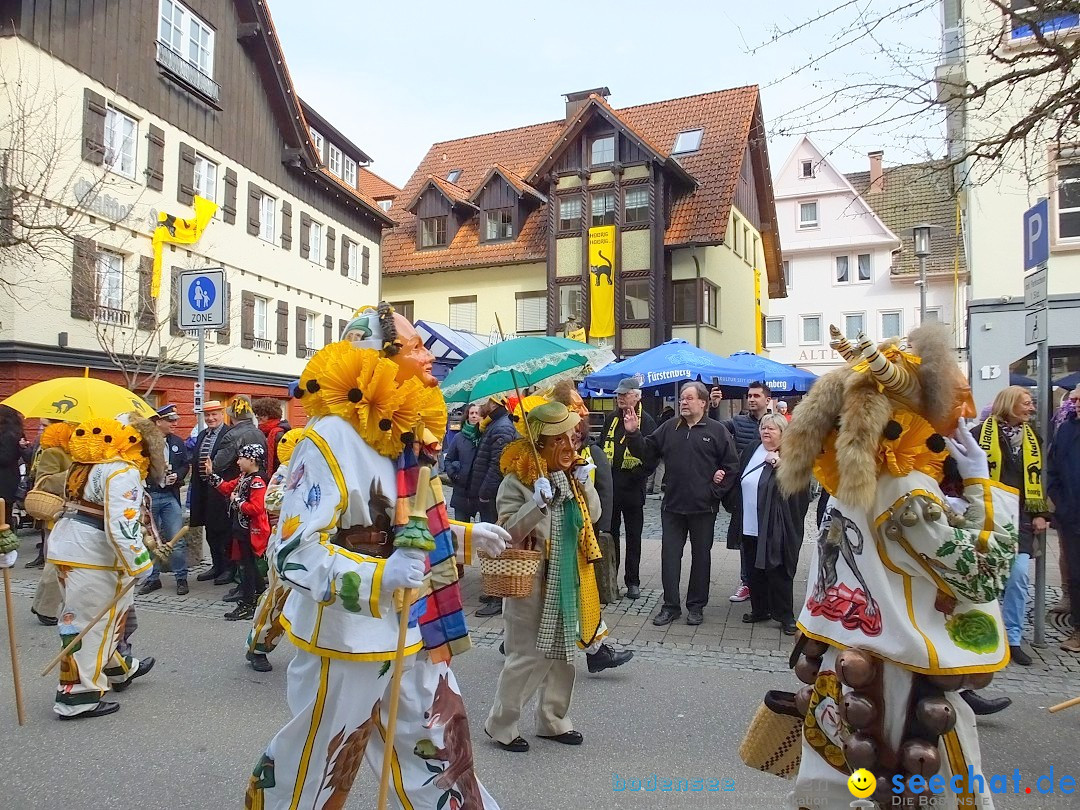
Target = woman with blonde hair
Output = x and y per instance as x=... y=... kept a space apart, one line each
x=1016 y=460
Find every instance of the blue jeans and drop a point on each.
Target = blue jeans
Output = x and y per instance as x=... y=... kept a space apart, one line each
x=1014 y=600
x=169 y=519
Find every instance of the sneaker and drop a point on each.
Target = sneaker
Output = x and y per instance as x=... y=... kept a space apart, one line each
x=666 y=616
x=149 y=587
x=182 y=588
x=241 y=613
x=1072 y=643
x=741 y=594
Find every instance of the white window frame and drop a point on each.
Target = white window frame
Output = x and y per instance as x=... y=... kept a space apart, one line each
x=1058 y=210
x=788 y=275
x=349 y=171
x=333 y=160
x=311 y=333
x=353 y=254
x=462 y=312
x=614 y=148
x=783 y=327
x=385 y=204
x=109 y=271
x=808 y=225
x=315 y=242
x=121 y=148
x=852 y=270
x=187 y=35
x=261 y=319
x=320 y=144
x=803 y=175
x=858 y=270
x=802 y=330
x=836 y=270
x=529 y=306
x=573 y=215
x=691 y=144
x=886 y=333
x=862 y=319
x=929 y=311
x=267 y=218
x=206 y=172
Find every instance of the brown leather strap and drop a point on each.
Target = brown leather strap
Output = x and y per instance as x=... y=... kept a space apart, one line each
x=366 y=540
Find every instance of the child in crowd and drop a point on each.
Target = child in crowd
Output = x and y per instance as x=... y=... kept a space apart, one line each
x=251 y=526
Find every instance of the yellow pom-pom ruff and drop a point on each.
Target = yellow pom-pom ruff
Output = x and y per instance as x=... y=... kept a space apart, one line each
x=58 y=434
x=100 y=440
x=287 y=443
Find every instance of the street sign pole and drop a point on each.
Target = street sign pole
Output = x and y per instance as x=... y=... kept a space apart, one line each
x=1044 y=414
x=200 y=380
x=204 y=304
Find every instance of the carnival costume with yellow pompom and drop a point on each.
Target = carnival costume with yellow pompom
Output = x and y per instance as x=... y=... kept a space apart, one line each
x=97 y=547
x=353 y=489
x=901 y=605
x=50 y=469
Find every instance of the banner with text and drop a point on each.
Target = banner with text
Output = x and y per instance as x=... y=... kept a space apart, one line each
x=602 y=281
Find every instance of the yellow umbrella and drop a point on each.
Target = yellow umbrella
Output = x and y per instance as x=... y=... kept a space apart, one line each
x=76 y=399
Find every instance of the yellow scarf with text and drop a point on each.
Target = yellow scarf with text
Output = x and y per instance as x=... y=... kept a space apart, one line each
x=990 y=441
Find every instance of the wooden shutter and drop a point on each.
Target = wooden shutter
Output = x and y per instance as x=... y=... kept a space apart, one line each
x=341 y=327
x=83 y=279
x=286 y=224
x=305 y=235
x=365 y=265
x=301 y=332
x=185 y=184
x=254 y=219
x=174 y=303
x=229 y=208
x=147 y=304
x=344 y=255
x=155 y=158
x=247 y=320
x=282 y=327
x=224 y=335
x=328 y=330
x=331 y=247
x=93 y=146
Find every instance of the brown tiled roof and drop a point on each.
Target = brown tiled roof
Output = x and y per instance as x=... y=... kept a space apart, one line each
x=516 y=182
x=699 y=217
x=452 y=192
x=376 y=187
x=914 y=194
x=357 y=194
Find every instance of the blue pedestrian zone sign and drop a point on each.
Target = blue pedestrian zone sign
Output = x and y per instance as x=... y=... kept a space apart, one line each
x=203 y=299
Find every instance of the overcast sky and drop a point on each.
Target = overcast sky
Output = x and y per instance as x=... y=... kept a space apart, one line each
x=398 y=76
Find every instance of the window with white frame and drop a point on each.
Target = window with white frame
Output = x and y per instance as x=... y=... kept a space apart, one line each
x=892 y=323
x=351 y=252
x=261 y=326
x=315 y=242
x=843 y=271
x=320 y=143
x=806 y=169
x=120 y=149
x=205 y=178
x=863 y=263
x=1068 y=200
x=854 y=324
x=532 y=312
x=602 y=150
x=688 y=140
x=267 y=218
x=349 y=173
x=110 y=286
x=636 y=205
x=187 y=35
x=385 y=204
x=333 y=160
x=808 y=214
x=569 y=213
x=788 y=277
x=463 y=313
x=774 y=331
x=810 y=329
x=310 y=332
x=933 y=315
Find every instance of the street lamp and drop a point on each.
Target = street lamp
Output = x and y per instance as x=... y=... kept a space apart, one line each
x=921 y=234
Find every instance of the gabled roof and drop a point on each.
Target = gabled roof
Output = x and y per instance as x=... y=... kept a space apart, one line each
x=911 y=195
x=333 y=134
x=515 y=181
x=731 y=120
x=454 y=194
x=375 y=186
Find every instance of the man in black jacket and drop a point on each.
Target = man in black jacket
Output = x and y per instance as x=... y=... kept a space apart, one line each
x=486 y=475
x=699 y=454
x=629 y=475
x=1063 y=488
x=209 y=508
x=165 y=509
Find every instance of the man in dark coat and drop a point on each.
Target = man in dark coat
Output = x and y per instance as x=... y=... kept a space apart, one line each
x=1063 y=488
x=629 y=476
x=166 y=512
x=209 y=508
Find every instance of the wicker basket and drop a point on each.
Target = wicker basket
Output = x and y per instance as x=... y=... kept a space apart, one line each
x=42 y=505
x=773 y=743
x=511 y=574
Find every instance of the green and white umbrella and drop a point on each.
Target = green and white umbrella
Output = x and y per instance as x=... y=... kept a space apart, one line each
x=522 y=363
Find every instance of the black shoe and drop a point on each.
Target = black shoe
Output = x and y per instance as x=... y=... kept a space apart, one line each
x=753 y=618
x=209 y=574
x=519 y=745
x=502 y=648
x=225 y=577
x=789 y=628
x=39 y=562
x=259 y=662
x=666 y=616
x=566 y=738
x=1019 y=656
x=633 y=592
x=103 y=708
x=491 y=609
x=694 y=617
x=145 y=665
x=182 y=588
x=984 y=706
x=607 y=658
x=48 y=621
x=232 y=596
x=242 y=612
x=149 y=587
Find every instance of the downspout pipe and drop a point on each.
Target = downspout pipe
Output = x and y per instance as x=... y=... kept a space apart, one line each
x=697 y=293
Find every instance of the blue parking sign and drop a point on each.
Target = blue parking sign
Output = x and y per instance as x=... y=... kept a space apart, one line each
x=1037 y=235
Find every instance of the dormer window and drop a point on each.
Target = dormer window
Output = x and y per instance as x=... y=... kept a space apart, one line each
x=499 y=224
x=806 y=169
x=433 y=231
x=320 y=144
x=689 y=140
x=453 y=176
x=333 y=161
x=385 y=204
x=187 y=35
x=602 y=150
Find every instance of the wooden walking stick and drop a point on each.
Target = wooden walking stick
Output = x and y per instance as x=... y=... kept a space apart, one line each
x=98 y=618
x=419 y=513
x=20 y=709
x=1067 y=704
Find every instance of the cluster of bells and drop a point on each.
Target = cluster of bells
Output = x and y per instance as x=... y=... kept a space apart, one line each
x=906 y=516
x=930 y=714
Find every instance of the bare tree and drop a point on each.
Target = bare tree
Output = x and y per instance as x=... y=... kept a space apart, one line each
x=144 y=356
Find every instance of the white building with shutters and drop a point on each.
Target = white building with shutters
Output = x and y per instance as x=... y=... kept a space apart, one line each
x=194 y=100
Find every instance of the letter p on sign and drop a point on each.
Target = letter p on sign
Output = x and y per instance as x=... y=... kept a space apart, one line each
x=1036 y=235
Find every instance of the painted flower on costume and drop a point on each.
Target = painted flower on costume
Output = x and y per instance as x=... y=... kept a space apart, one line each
x=289 y=526
x=975 y=630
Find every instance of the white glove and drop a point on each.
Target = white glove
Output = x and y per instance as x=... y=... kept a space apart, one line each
x=490 y=539
x=7 y=560
x=970 y=458
x=542 y=494
x=404 y=569
x=582 y=471
x=958 y=505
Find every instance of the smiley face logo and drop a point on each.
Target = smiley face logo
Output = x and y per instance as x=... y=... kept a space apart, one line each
x=861 y=783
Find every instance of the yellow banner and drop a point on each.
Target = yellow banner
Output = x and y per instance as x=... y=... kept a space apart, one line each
x=602 y=281
x=180 y=232
x=578 y=335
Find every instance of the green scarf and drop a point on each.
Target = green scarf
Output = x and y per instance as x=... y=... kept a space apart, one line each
x=471 y=432
x=990 y=441
x=629 y=461
x=558 y=632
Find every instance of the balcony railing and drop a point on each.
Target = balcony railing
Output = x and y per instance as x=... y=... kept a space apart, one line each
x=186 y=73
x=262 y=345
x=119 y=317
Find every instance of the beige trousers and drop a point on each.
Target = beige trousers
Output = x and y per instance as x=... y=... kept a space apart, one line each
x=526 y=671
x=47 y=595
